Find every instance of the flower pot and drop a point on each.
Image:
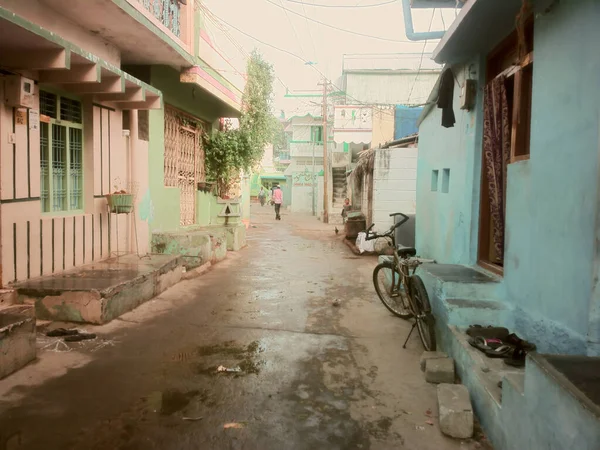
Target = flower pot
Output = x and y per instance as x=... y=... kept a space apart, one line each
x=120 y=203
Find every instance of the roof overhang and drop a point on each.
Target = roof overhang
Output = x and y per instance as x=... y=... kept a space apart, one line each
x=27 y=47
x=479 y=27
x=209 y=81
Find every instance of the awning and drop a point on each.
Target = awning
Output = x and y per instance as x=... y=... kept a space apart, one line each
x=27 y=46
x=353 y=137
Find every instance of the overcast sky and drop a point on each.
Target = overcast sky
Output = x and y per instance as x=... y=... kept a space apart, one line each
x=315 y=42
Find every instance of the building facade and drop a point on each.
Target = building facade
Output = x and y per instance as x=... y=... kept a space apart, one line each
x=88 y=111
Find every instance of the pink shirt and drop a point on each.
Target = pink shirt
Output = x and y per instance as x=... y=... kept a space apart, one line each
x=278 y=196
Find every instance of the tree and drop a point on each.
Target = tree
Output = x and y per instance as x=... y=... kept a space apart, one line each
x=230 y=151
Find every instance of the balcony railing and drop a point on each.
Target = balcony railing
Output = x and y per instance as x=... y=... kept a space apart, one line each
x=168 y=12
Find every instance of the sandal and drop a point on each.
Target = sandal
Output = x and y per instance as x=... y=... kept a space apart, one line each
x=499 y=352
x=59 y=332
x=80 y=337
x=516 y=341
x=483 y=344
x=518 y=358
x=488 y=332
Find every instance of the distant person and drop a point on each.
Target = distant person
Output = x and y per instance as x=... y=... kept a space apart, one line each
x=262 y=195
x=345 y=209
x=278 y=201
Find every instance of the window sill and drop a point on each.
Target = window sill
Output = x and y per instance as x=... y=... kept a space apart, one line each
x=72 y=213
x=515 y=159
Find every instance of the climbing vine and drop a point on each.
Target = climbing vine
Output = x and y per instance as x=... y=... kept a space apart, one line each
x=230 y=151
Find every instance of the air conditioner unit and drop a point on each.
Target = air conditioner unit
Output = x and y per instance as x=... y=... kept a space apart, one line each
x=18 y=91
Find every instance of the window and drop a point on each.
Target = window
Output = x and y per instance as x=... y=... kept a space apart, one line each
x=316 y=134
x=61 y=153
x=516 y=64
x=434 y=180
x=446 y=181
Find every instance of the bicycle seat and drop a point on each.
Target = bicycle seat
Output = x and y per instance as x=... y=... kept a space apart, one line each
x=405 y=252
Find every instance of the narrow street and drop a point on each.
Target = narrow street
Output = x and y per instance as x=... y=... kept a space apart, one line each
x=313 y=375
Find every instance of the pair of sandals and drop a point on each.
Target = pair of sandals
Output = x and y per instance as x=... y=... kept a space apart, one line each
x=70 y=335
x=498 y=342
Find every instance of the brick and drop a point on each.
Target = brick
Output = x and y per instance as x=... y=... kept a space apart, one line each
x=439 y=370
x=455 y=410
x=425 y=356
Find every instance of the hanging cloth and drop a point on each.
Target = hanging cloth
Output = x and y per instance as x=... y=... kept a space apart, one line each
x=446 y=98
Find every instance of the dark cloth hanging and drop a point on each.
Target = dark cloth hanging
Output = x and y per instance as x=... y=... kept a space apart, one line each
x=446 y=98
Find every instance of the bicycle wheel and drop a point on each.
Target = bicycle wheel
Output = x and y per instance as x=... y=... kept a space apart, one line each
x=424 y=318
x=395 y=301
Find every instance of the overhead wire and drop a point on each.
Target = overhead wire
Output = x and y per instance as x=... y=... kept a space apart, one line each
x=356 y=33
x=312 y=41
x=293 y=27
x=213 y=18
x=421 y=60
x=300 y=59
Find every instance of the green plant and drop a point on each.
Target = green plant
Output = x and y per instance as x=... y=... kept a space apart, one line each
x=230 y=151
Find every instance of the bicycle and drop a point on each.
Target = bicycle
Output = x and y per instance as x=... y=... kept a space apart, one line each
x=401 y=292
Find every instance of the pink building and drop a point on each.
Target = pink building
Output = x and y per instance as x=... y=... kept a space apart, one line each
x=75 y=127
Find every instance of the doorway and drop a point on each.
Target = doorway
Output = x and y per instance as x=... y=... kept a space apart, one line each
x=507 y=120
x=184 y=160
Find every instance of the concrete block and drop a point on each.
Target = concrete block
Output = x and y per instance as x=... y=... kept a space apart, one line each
x=17 y=338
x=439 y=370
x=430 y=355
x=236 y=237
x=456 y=412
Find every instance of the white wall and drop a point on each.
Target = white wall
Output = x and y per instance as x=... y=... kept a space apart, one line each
x=395 y=184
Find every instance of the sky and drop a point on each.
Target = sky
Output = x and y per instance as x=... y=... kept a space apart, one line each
x=324 y=47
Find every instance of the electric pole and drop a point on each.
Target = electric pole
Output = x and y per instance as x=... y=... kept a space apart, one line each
x=325 y=156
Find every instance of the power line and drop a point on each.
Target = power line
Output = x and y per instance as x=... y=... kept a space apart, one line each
x=291 y=54
x=421 y=61
x=343 y=29
x=312 y=41
x=293 y=28
x=317 y=5
x=213 y=18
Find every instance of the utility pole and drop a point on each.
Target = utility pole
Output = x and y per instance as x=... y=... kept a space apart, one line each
x=325 y=156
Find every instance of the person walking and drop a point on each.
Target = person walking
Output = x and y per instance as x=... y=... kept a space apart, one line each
x=262 y=195
x=278 y=200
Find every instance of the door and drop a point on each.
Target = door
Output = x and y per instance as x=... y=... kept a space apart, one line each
x=184 y=160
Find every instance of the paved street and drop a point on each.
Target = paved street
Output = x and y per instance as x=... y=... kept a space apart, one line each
x=314 y=376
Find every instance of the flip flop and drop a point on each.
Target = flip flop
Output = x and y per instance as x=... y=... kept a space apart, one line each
x=59 y=332
x=483 y=344
x=80 y=337
x=499 y=352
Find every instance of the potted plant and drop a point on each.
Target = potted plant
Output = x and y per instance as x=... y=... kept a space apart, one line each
x=120 y=201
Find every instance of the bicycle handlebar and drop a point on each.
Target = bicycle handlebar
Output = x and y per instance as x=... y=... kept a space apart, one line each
x=390 y=231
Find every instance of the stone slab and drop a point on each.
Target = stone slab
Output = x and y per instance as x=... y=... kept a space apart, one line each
x=100 y=292
x=439 y=370
x=17 y=338
x=455 y=410
x=425 y=356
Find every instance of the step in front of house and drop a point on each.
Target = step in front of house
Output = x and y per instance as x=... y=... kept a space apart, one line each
x=100 y=292
x=17 y=338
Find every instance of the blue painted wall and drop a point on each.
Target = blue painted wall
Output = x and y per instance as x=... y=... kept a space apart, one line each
x=552 y=198
x=447 y=221
x=405 y=121
x=551 y=257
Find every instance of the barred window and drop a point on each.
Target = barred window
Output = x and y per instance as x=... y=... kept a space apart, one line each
x=61 y=153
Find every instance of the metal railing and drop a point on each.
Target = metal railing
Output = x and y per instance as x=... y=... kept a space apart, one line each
x=168 y=12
